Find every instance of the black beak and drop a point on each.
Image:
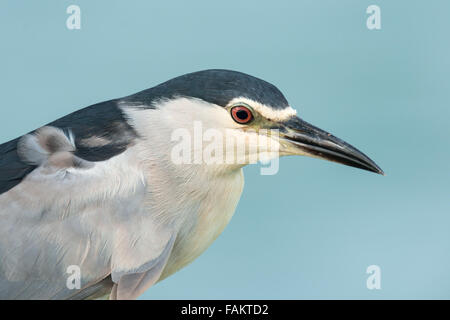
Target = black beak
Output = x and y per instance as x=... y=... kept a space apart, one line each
x=304 y=138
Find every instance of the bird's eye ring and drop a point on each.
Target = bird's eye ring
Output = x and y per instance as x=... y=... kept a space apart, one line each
x=241 y=114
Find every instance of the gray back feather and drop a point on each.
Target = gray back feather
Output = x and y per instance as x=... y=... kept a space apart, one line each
x=103 y=121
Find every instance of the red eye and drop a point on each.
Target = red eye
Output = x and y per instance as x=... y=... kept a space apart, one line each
x=241 y=114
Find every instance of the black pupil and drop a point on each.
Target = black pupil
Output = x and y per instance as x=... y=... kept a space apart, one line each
x=242 y=114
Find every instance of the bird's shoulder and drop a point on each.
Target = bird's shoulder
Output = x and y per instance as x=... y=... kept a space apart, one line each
x=100 y=132
x=80 y=200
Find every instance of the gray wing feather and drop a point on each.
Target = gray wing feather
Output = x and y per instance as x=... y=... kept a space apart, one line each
x=70 y=211
x=99 y=290
x=101 y=132
x=12 y=169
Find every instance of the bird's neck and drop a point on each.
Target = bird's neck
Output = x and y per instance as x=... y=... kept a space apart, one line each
x=198 y=200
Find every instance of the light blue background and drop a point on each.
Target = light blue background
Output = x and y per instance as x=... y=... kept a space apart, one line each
x=311 y=230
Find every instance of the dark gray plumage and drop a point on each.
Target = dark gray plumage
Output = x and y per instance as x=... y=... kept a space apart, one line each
x=103 y=120
x=215 y=86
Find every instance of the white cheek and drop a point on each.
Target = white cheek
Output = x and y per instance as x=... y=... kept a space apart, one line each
x=183 y=112
x=200 y=120
x=179 y=113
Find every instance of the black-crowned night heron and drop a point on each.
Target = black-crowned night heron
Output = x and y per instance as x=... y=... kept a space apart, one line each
x=99 y=189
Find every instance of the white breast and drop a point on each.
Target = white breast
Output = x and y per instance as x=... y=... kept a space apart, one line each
x=205 y=225
x=196 y=200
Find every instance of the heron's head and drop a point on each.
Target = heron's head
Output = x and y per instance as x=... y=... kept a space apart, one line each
x=218 y=113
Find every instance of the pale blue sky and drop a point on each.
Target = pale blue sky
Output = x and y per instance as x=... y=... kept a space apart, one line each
x=311 y=230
